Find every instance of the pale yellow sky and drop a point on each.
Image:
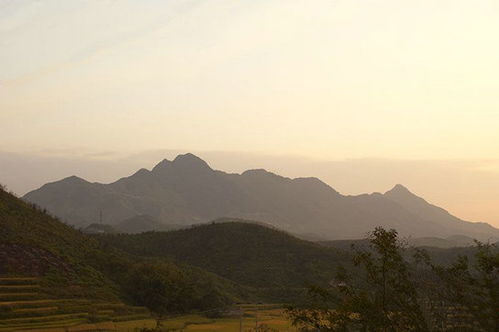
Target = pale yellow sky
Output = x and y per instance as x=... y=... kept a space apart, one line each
x=324 y=79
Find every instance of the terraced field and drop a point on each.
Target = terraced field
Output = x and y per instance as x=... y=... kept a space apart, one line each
x=270 y=316
x=25 y=307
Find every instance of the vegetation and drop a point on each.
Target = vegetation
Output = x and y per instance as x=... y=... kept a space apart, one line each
x=167 y=291
x=244 y=252
x=384 y=298
x=36 y=244
x=473 y=287
x=253 y=318
x=69 y=265
x=37 y=309
x=388 y=294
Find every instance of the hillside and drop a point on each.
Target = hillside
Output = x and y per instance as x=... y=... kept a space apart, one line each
x=187 y=191
x=46 y=279
x=35 y=244
x=247 y=253
x=54 y=275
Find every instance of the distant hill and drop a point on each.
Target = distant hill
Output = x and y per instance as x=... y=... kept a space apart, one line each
x=441 y=251
x=99 y=228
x=187 y=191
x=450 y=242
x=143 y=223
x=434 y=242
x=133 y=225
x=247 y=253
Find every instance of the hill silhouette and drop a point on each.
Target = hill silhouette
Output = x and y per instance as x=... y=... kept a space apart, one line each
x=187 y=191
x=99 y=228
x=142 y=223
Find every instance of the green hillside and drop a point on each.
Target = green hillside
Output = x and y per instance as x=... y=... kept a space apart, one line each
x=36 y=244
x=52 y=275
x=245 y=252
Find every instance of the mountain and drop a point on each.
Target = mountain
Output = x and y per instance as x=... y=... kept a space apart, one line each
x=439 y=216
x=187 y=191
x=248 y=253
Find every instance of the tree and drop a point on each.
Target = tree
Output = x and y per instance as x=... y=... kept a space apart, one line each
x=381 y=297
x=471 y=287
x=162 y=288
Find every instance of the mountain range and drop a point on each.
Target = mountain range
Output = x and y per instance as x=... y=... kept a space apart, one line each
x=188 y=191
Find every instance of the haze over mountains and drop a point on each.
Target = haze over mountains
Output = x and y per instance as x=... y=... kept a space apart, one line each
x=187 y=191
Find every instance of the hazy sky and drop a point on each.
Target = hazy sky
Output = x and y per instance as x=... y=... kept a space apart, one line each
x=378 y=82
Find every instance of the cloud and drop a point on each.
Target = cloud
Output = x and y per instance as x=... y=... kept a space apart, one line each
x=40 y=39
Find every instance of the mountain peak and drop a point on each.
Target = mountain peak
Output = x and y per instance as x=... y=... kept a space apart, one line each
x=257 y=172
x=186 y=161
x=141 y=172
x=73 y=179
x=190 y=161
x=165 y=163
x=399 y=190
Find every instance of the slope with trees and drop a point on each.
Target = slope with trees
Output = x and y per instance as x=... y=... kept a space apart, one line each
x=389 y=292
x=70 y=268
x=248 y=253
